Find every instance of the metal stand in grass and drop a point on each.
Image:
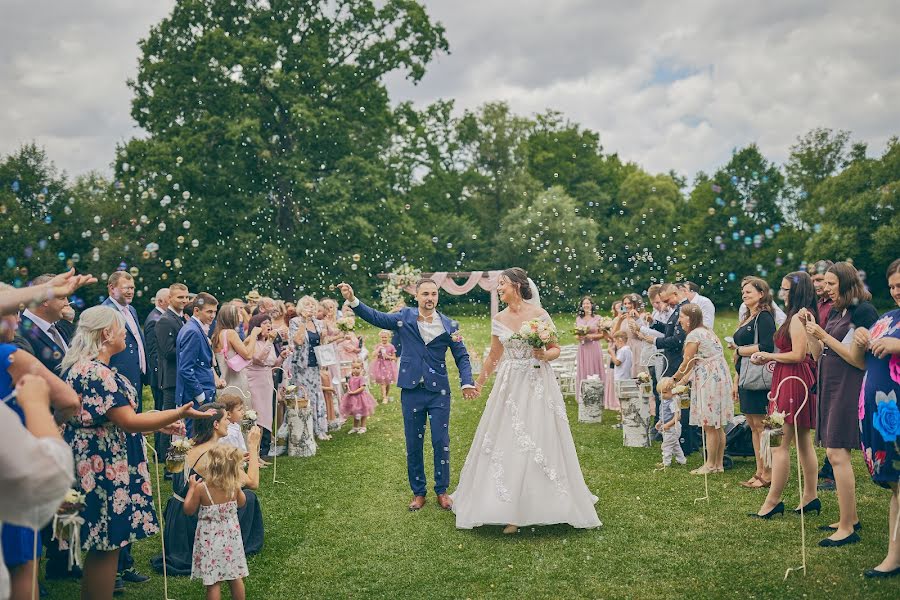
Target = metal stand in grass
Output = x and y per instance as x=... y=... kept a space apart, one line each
x=772 y=397
x=162 y=529
x=645 y=361
x=275 y=479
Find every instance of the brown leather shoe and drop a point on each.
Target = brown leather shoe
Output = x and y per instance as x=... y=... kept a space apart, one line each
x=417 y=503
x=444 y=501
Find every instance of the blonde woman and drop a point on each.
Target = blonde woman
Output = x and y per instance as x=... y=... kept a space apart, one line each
x=110 y=460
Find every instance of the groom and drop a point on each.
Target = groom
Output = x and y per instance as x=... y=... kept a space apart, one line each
x=425 y=336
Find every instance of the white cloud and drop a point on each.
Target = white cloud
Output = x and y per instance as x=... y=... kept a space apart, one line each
x=668 y=85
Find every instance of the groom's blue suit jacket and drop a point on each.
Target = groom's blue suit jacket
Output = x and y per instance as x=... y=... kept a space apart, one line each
x=421 y=363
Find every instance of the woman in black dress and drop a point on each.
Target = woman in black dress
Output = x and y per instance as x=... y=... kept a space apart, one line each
x=756 y=333
x=841 y=373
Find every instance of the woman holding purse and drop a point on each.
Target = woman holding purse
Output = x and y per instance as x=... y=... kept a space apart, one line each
x=233 y=354
x=756 y=333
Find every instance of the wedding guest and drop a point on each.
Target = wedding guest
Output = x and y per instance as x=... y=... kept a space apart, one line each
x=796 y=358
x=36 y=468
x=669 y=424
x=166 y=333
x=38 y=327
x=306 y=335
x=331 y=334
x=218 y=548
x=260 y=377
x=705 y=367
x=755 y=333
x=252 y=302
x=357 y=401
x=180 y=528
x=384 y=366
x=196 y=382
x=589 y=360
x=824 y=304
x=610 y=398
x=18 y=542
x=632 y=321
x=111 y=463
x=233 y=405
x=840 y=380
x=777 y=312
x=348 y=351
x=160 y=304
x=232 y=354
x=660 y=315
x=131 y=362
x=621 y=357
x=881 y=388
x=691 y=291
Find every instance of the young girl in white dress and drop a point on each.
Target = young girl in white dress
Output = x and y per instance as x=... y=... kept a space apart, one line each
x=218 y=547
x=522 y=468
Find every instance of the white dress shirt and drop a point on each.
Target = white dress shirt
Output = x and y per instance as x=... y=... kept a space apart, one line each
x=35 y=474
x=45 y=326
x=707 y=308
x=135 y=331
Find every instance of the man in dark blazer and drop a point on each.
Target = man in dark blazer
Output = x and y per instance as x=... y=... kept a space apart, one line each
x=196 y=381
x=165 y=333
x=39 y=335
x=672 y=345
x=161 y=303
x=132 y=361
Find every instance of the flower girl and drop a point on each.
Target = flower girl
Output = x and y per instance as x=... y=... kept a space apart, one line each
x=384 y=367
x=218 y=547
x=357 y=401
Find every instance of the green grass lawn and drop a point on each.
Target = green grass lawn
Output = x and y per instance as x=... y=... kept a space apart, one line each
x=338 y=528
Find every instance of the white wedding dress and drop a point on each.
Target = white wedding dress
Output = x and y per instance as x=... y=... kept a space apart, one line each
x=522 y=468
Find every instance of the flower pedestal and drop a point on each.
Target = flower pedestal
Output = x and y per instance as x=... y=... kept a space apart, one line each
x=635 y=415
x=590 y=409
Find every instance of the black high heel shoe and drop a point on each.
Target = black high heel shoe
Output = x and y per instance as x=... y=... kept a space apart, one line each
x=874 y=574
x=830 y=543
x=778 y=510
x=813 y=505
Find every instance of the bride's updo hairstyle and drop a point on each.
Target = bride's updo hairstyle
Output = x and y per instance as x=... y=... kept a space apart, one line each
x=519 y=278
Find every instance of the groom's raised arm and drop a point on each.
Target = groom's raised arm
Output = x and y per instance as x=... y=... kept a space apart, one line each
x=368 y=314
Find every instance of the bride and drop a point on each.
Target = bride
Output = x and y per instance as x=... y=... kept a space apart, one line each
x=522 y=468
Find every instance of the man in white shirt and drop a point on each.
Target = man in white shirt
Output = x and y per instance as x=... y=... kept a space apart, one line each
x=692 y=292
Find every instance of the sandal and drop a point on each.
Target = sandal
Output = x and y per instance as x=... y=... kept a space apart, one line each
x=749 y=483
x=762 y=484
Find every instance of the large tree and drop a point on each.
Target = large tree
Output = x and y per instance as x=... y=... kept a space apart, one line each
x=273 y=117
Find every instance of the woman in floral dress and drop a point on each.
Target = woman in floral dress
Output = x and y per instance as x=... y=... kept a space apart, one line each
x=110 y=457
x=306 y=334
x=879 y=418
x=711 y=405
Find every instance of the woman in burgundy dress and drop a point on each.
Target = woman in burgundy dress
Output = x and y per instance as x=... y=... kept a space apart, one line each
x=840 y=380
x=795 y=357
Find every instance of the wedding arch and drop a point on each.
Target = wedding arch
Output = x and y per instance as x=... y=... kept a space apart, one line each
x=486 y=280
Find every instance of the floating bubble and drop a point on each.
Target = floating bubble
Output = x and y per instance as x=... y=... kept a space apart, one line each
x=180 y=239
x=356 y=257
x=178 y=160
x=125 y=167
x=61 y=256
x=186 y=224
x=186 y=194
x=134 y=271
x=195 y=243
x=354 y=266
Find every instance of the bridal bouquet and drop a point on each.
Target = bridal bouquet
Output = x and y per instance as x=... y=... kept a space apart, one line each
x=249 y=420
x=537 y=333
x=346 y=324
x=178 y=449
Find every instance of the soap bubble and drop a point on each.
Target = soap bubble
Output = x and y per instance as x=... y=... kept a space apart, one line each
x=195 y=243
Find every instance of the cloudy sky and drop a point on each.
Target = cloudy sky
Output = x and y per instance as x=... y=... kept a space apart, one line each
x=667 y=84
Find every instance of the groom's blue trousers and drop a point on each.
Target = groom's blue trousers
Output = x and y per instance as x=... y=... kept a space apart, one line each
x=420 y=405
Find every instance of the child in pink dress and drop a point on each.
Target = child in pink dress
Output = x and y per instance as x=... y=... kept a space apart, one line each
x=383 y=369
x=357 y=401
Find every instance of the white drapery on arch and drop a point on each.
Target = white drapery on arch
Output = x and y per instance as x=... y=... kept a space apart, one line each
x=486 y=280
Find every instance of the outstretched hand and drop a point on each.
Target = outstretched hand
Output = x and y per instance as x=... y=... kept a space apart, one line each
x=346 y=292
x=66 y=283
x=188 y=411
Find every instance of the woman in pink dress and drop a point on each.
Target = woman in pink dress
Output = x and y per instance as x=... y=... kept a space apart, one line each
x=590 y=353
x=610 y=400
x=383 y=369
x=357 y=401
x=259 y=375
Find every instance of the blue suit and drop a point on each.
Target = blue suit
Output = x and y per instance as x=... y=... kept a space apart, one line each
x=425 y=390
x=194 y=360
x=128 y=361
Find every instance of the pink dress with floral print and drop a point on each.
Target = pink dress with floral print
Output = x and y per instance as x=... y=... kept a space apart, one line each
x=218 y=547
x=110 y=464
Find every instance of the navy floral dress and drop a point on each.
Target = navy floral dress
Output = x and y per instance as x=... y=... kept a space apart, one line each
x=110 y=463
x=879 y=418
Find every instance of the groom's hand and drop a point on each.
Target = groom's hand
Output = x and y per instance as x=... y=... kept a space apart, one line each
x=346 y=292
x=470 y=393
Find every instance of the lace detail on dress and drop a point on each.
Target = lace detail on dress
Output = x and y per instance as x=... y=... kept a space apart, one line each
x=496 y=458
